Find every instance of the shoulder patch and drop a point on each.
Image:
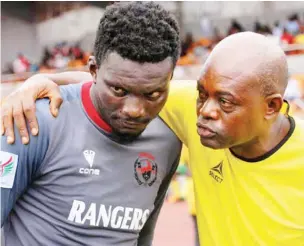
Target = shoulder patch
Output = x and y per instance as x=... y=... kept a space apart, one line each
x=8 y=167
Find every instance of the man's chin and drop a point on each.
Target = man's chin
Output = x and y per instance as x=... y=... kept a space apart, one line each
x=211 y=143
x=127 y=134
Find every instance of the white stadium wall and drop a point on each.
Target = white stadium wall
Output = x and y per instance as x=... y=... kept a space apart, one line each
x=30 y=38
x=71 y=26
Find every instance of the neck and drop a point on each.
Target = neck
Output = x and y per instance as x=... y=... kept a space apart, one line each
x=97 y=102
x=95 y=99
x=94 y=108
x=265 y=143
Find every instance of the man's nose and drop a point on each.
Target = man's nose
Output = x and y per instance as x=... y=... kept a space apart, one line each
x=209 y=110
x=133 y=107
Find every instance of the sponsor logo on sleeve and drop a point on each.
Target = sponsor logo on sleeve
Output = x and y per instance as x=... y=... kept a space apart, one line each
x=8 y=166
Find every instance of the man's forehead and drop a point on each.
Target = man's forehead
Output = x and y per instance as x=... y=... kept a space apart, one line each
x=134 y=80
x=232 y=81
x=117 y=65
x=225 y=71
x=214 y=75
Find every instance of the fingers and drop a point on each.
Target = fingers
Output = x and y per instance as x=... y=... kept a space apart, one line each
x=55 y=103
x=7 y=122
x=20 y=122
x=20 y=106
x=29 y=109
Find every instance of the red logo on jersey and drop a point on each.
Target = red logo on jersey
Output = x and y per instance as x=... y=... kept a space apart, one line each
x=145 y=169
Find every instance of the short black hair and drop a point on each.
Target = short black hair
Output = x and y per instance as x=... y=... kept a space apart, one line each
x=138 y=31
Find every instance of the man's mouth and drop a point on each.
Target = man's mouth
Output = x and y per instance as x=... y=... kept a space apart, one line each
x=132 y=124
x=205 y=131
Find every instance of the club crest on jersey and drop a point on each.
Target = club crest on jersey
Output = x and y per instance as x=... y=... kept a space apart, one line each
x=145 y=169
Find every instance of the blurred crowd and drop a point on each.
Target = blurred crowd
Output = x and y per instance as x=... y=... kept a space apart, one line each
x=285 y=33
x=62 y=55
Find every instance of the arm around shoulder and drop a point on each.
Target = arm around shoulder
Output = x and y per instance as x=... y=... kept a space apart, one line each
x=19 y=163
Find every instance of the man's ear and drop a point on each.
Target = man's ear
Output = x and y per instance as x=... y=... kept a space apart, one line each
x=274 y=104
x=93 y=68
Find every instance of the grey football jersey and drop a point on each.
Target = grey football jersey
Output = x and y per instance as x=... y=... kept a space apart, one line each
x=75 y=184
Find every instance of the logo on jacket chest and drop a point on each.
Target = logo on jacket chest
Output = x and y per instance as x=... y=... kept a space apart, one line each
x=89 y=155
x=216 y=172
x=145 y=169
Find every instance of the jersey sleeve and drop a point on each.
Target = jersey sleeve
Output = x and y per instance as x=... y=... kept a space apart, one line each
x=70 y=92
x=147 y=233
x=179 y=107
x=19 y=163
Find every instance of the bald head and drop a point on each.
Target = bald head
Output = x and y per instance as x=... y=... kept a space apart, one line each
x=251 y=54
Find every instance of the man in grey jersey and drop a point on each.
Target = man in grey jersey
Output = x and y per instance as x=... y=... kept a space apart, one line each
x=98 y=173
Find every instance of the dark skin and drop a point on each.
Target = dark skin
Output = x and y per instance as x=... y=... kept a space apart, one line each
x=232 y=111
x=127 y=94
x=223 y=103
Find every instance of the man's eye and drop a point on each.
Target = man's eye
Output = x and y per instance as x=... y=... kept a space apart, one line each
x=225 y=102
x=118 y=91
x=153 y=95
